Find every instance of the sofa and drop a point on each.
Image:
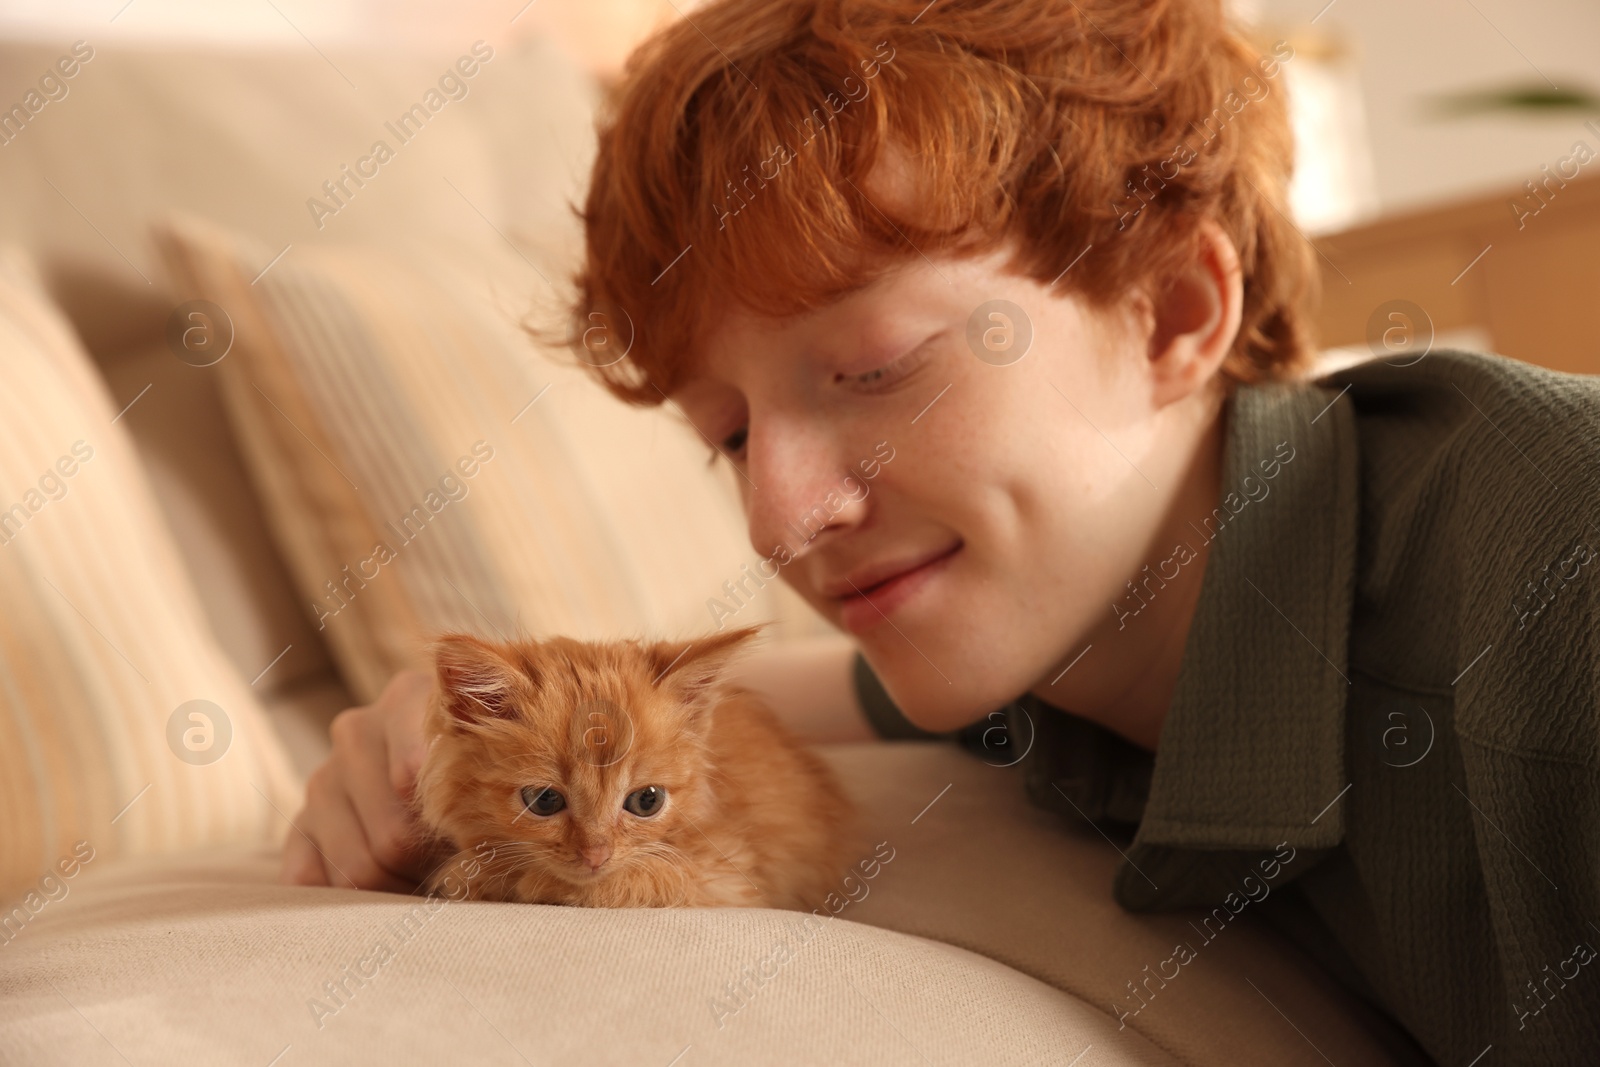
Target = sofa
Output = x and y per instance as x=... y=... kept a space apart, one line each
x=263 y=353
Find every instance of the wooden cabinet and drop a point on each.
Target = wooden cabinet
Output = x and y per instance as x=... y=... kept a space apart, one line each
x=1527 y=277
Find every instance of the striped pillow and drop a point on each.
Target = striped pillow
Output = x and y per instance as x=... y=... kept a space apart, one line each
x=425 y=466
x=122 y=724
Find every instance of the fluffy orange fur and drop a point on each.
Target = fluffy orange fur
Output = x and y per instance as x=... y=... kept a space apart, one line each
x=749 y=816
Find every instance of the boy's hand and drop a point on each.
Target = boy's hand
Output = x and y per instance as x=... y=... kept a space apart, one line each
x=357 y=829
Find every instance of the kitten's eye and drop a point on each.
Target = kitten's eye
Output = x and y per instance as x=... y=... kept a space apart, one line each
x=645 y=802
x=542 y=800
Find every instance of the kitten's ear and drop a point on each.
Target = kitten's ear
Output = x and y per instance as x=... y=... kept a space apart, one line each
x=474 y=679
x=692 y=668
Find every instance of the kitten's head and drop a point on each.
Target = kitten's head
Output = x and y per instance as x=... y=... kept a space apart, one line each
x=581 y=763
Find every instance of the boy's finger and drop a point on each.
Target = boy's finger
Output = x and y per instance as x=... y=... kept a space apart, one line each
x=393 y=836
x=342 y=845
x=402 y=706
x=300 y=864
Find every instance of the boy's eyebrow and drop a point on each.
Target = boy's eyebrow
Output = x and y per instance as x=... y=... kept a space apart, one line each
x=885 y=335
x=890 y=347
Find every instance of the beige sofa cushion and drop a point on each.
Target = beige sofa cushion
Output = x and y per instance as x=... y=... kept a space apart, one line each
x=181 y=433
x=102 y=642
x=232 y=966
x=424 y=466
x=199 y=478
x=248 y=135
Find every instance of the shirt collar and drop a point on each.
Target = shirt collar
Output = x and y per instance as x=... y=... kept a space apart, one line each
x=1252 y=750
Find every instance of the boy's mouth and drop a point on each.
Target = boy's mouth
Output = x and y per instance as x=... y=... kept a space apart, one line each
x=868 y=594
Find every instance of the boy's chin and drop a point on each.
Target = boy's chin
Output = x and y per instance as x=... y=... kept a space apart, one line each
x=938 y=706
x=937 y=675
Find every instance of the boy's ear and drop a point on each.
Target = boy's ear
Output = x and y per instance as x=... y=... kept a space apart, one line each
x=692 y=668
x=475 y=682
x=1194 y=321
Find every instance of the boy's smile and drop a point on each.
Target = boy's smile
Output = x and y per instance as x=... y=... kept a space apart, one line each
x=867 y=598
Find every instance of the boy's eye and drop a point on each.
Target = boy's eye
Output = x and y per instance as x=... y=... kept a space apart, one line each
x=893 y=372
x=645 y=802
x=877 y=376
x=542 y=800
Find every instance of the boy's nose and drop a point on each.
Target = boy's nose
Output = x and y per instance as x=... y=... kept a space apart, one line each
x=803 y=491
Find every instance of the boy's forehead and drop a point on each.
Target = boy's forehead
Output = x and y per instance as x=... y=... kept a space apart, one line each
x=731 y=334
x=735 y=332
x=896 y=296
x=732 y=330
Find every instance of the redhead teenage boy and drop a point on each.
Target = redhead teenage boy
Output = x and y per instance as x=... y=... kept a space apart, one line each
x=1343 y=633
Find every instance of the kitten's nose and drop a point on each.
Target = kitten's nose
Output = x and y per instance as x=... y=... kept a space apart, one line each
x=596 y=855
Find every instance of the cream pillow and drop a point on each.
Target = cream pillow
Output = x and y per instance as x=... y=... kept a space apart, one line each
x=122 y=725
x=425 y=466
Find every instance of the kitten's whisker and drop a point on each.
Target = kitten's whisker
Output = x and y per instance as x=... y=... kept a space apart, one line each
x=520 y=846
x=518 y=857
x=661 y=849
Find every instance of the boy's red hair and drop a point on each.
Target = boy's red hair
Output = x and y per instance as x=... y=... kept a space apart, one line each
x=733 y=156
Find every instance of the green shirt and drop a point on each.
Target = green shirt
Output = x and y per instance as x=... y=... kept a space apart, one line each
x=1385 y=736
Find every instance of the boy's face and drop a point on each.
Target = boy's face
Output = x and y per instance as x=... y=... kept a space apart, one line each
x=978 y=516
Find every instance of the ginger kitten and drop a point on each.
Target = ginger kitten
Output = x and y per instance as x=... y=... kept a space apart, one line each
x=624 y=774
